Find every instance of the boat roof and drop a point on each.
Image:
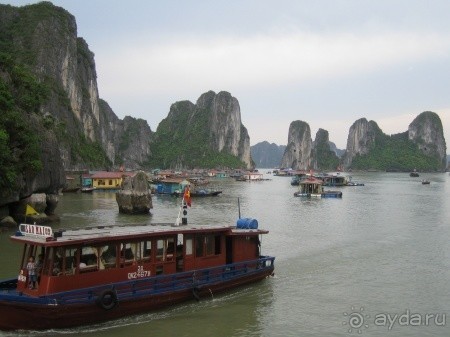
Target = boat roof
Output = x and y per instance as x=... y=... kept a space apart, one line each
x=44 y=235
x=311 y=180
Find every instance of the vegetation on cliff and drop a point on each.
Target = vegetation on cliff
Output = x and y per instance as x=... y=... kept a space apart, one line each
x=24 y=38
x=326 y=159
x=182 y=140
x=20 y=96
x=395 y=153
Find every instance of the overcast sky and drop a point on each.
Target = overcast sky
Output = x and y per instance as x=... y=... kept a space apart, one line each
x=327 y=63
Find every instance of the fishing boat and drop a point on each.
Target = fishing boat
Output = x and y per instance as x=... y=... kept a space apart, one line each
x=102 y=273
x=313 y=187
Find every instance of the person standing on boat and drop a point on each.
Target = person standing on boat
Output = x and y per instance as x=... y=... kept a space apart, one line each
x=31 y=267
x=38 y=267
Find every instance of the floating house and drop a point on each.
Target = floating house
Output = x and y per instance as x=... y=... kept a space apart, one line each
x=108 y=180
x=171 y=186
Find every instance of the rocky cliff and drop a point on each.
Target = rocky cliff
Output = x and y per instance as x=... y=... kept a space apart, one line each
x=323 y=158
x=44 y=38
x=361 y=139
x=422 y=147
x=297 y=154
x=227 y=133
x=267 y=155
x=77 y=129
x=206 y=134
x=427 y=132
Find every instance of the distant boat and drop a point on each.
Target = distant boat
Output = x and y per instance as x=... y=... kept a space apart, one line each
x=354 y=183
x=201 y=192
x=425 y=182
x=87 y=189
x=414 y=173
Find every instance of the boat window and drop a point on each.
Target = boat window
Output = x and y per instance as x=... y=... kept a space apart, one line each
x=170 y=248
x=128 y=252
x=217 y=244
x=146 y=247
x=28 y=251
x=108 y=256
x=160 y=250
x=69 y=263
x=188 y=246
x=88 y=259
x=209 y=243
x=206 y=245
x=165 y=249
x=47 y=269
x=56 y=257
x=199 y=242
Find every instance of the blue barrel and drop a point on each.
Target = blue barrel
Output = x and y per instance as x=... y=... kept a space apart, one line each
x=247 y=223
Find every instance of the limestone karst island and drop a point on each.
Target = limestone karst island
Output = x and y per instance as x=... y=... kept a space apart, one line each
x=53 y=122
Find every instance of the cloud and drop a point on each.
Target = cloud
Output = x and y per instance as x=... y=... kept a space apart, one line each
x=192 y=63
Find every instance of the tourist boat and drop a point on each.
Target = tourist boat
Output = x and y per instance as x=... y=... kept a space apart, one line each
x=102 y=273
x=312 y=187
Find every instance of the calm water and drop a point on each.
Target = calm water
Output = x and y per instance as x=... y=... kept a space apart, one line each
x=377 y=259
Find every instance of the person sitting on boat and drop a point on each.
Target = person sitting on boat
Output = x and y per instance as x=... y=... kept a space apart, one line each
x=31 y=268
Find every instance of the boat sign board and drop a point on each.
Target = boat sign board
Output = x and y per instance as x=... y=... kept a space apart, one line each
x=36 y=230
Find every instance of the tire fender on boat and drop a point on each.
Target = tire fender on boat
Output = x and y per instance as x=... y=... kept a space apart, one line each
x=107 y=299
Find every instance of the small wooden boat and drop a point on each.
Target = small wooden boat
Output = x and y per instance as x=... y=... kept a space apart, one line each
x=87 y=189
x=205 y=193
x=97 y=274
x=200 y=192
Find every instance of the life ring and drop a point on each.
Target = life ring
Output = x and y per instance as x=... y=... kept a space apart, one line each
x=107 y=299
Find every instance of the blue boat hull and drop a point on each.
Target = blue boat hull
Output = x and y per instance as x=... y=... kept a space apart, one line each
x=112 y=301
